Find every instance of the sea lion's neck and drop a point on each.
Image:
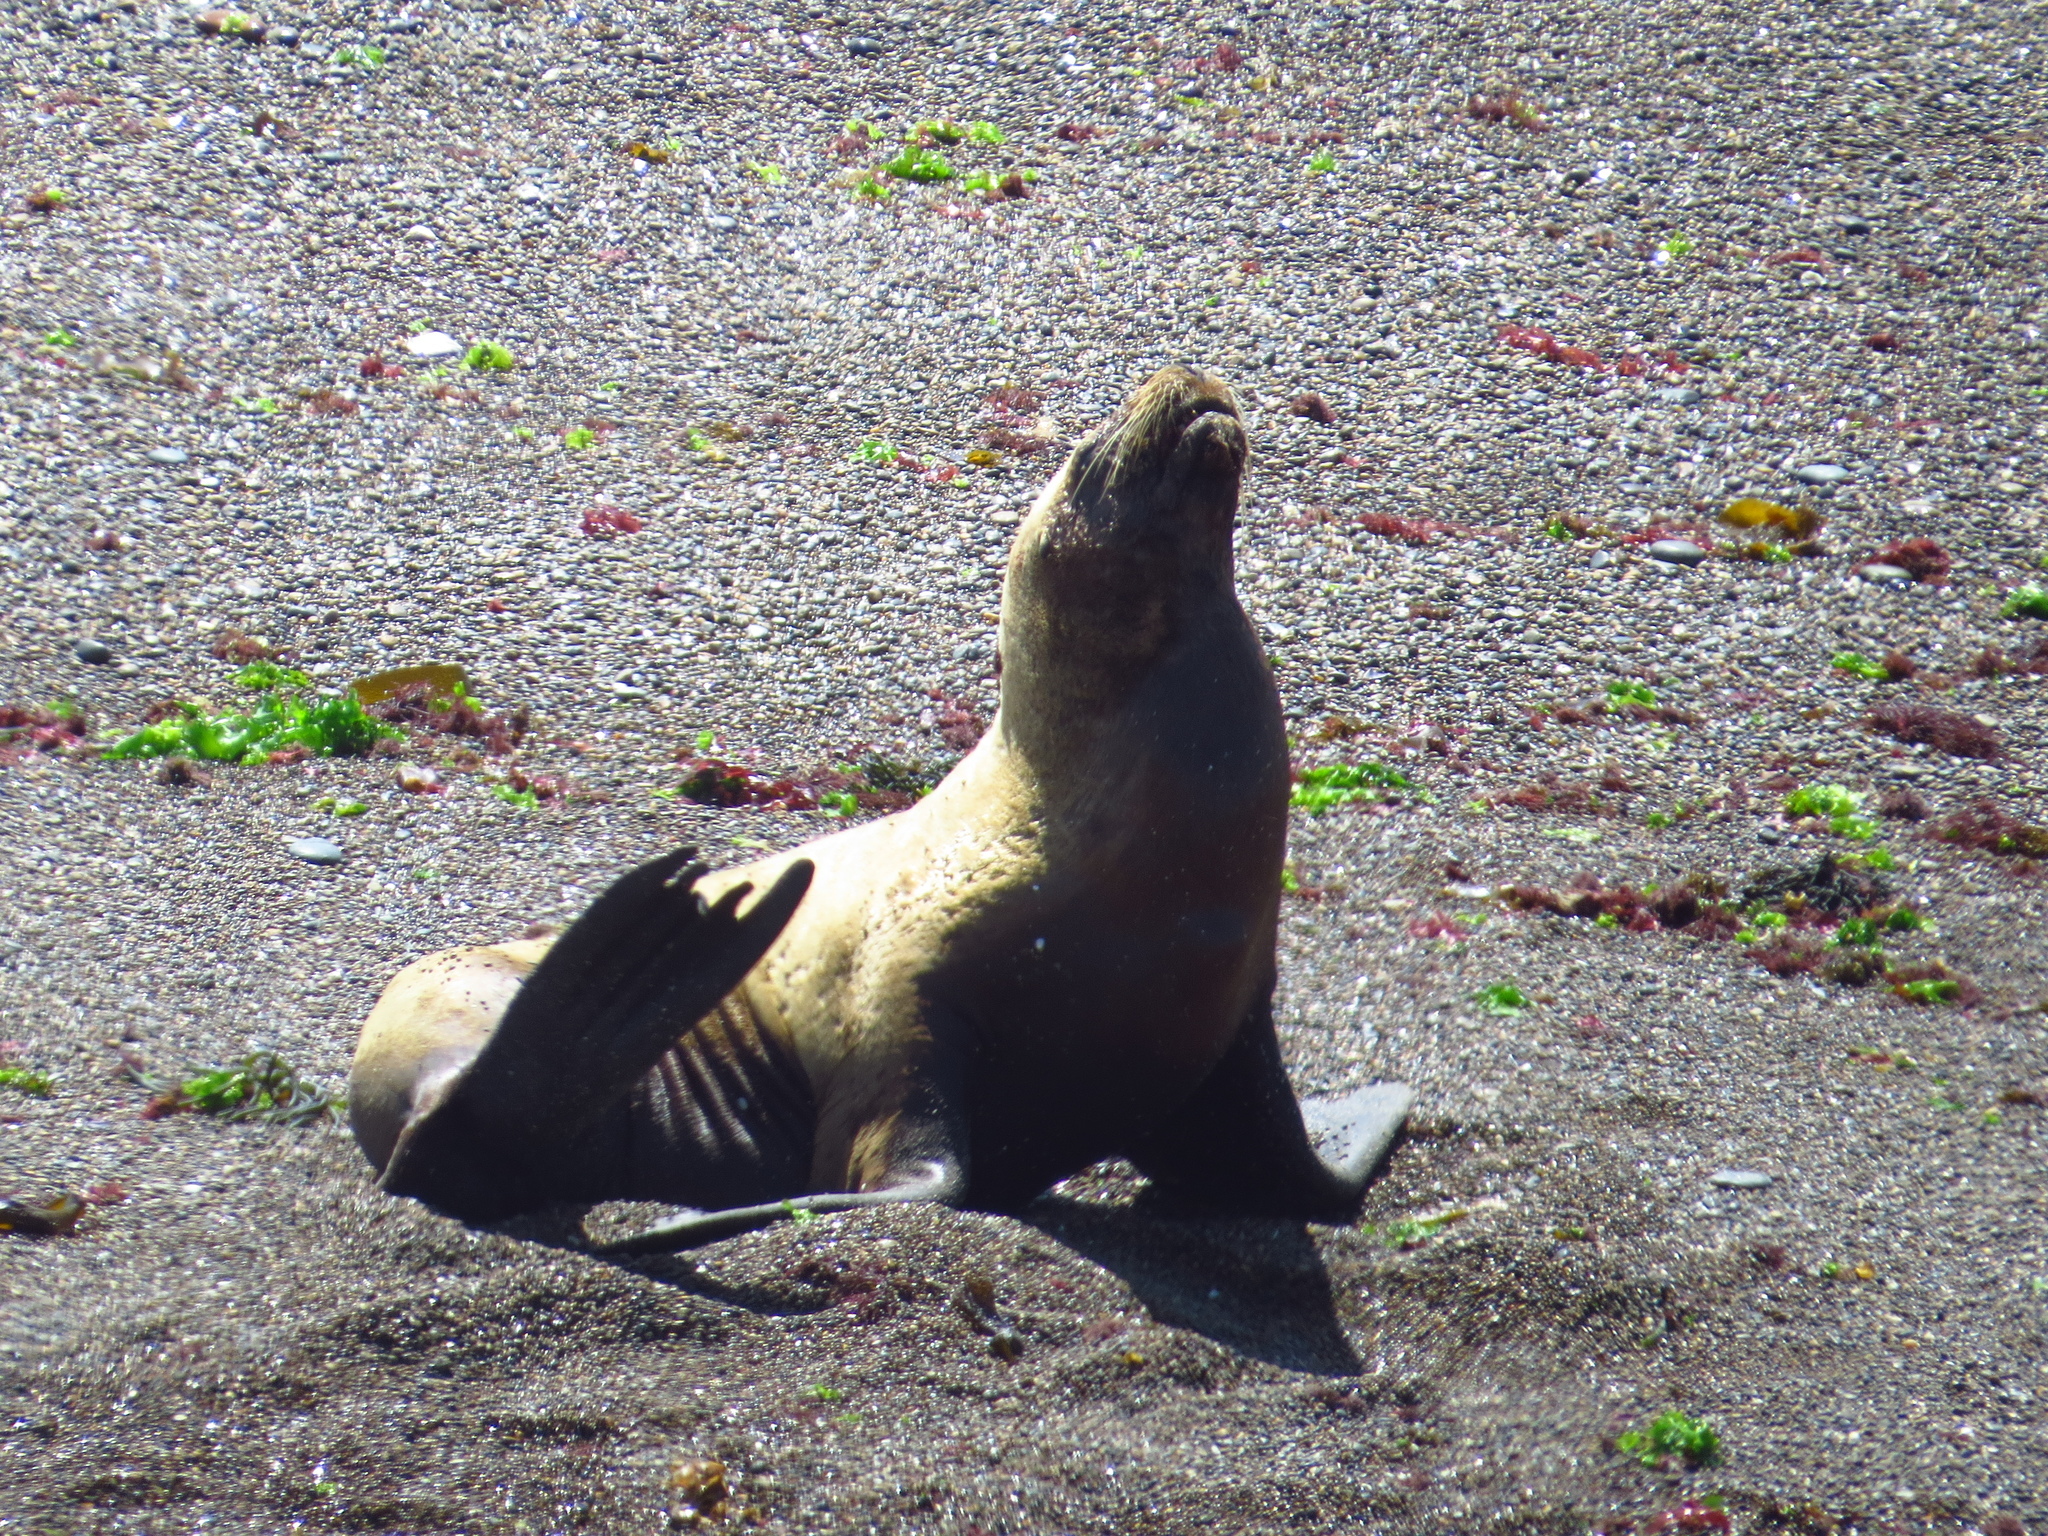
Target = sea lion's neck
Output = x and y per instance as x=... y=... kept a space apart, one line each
x=1123 y=666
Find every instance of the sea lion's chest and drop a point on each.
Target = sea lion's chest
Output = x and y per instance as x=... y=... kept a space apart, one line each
x=1119 y=950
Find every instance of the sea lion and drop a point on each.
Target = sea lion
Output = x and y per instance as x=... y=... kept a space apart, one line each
x=1064 y=952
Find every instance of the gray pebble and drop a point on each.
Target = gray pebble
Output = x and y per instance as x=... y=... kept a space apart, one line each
x=1852 y=224
x=722 y=222
x=316 y=850
x=1602 y=558
x=1888 y=574
x=94 y=653
x=1740 y=1178
x=866 y=47
x=166 y=455
x=1676 y=552
x=1678 y=394
x=1820 y=474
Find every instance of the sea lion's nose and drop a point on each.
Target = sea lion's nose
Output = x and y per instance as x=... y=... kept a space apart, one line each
x=1218 y=440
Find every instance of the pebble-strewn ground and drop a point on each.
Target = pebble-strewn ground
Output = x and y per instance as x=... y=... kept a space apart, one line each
x=1798 y=238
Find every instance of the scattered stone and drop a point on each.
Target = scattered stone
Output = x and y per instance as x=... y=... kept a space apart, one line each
x=316 y=850
x=701 y=1492
x=1740 y=1178
x=1826 y=885
x=1602 y=559
x=866 y=47
x=1676 y=552
x=1886 y=575
x=223 y=23
x=167 y=456
x=1820 y=474
x=94 y=653
x=1678 y=394
x=1852 y=224
x=722 y=222
x=415 y=780
x=432 y=344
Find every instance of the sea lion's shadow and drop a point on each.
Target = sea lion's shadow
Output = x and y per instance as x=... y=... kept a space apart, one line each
x=1258 y=1287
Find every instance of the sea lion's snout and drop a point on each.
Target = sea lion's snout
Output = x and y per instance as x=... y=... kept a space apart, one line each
x=1177 y=408
x=1213 y=441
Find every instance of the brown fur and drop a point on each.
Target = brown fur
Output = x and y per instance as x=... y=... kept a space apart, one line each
x=1060 y=942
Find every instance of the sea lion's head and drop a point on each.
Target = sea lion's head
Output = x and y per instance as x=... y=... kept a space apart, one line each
x=1128 y=549
x=1162 y=470
x=1161 y=474
x=1146 y=500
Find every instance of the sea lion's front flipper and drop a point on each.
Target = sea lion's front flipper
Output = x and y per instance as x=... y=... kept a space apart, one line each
x=1243 y=1143
x=647 y=959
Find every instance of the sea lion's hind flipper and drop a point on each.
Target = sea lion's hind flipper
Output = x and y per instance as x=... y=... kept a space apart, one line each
x=646 y=960
x=922 y=1149
x=1353 y=1132
x=942 y=1181
x=1240 y=1142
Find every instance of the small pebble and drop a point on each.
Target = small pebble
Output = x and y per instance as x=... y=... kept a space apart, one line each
x=720 y=221
x=1851 y=224
x=1676 y=552
x=1877 y=571
x=316 y=850
x=1740 y=1178
x=866 y=47
x=1820 y=474
x=1602 y=559
x=432 y=344
x=166 y=456
x=1678 y=394
x=94 y=653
